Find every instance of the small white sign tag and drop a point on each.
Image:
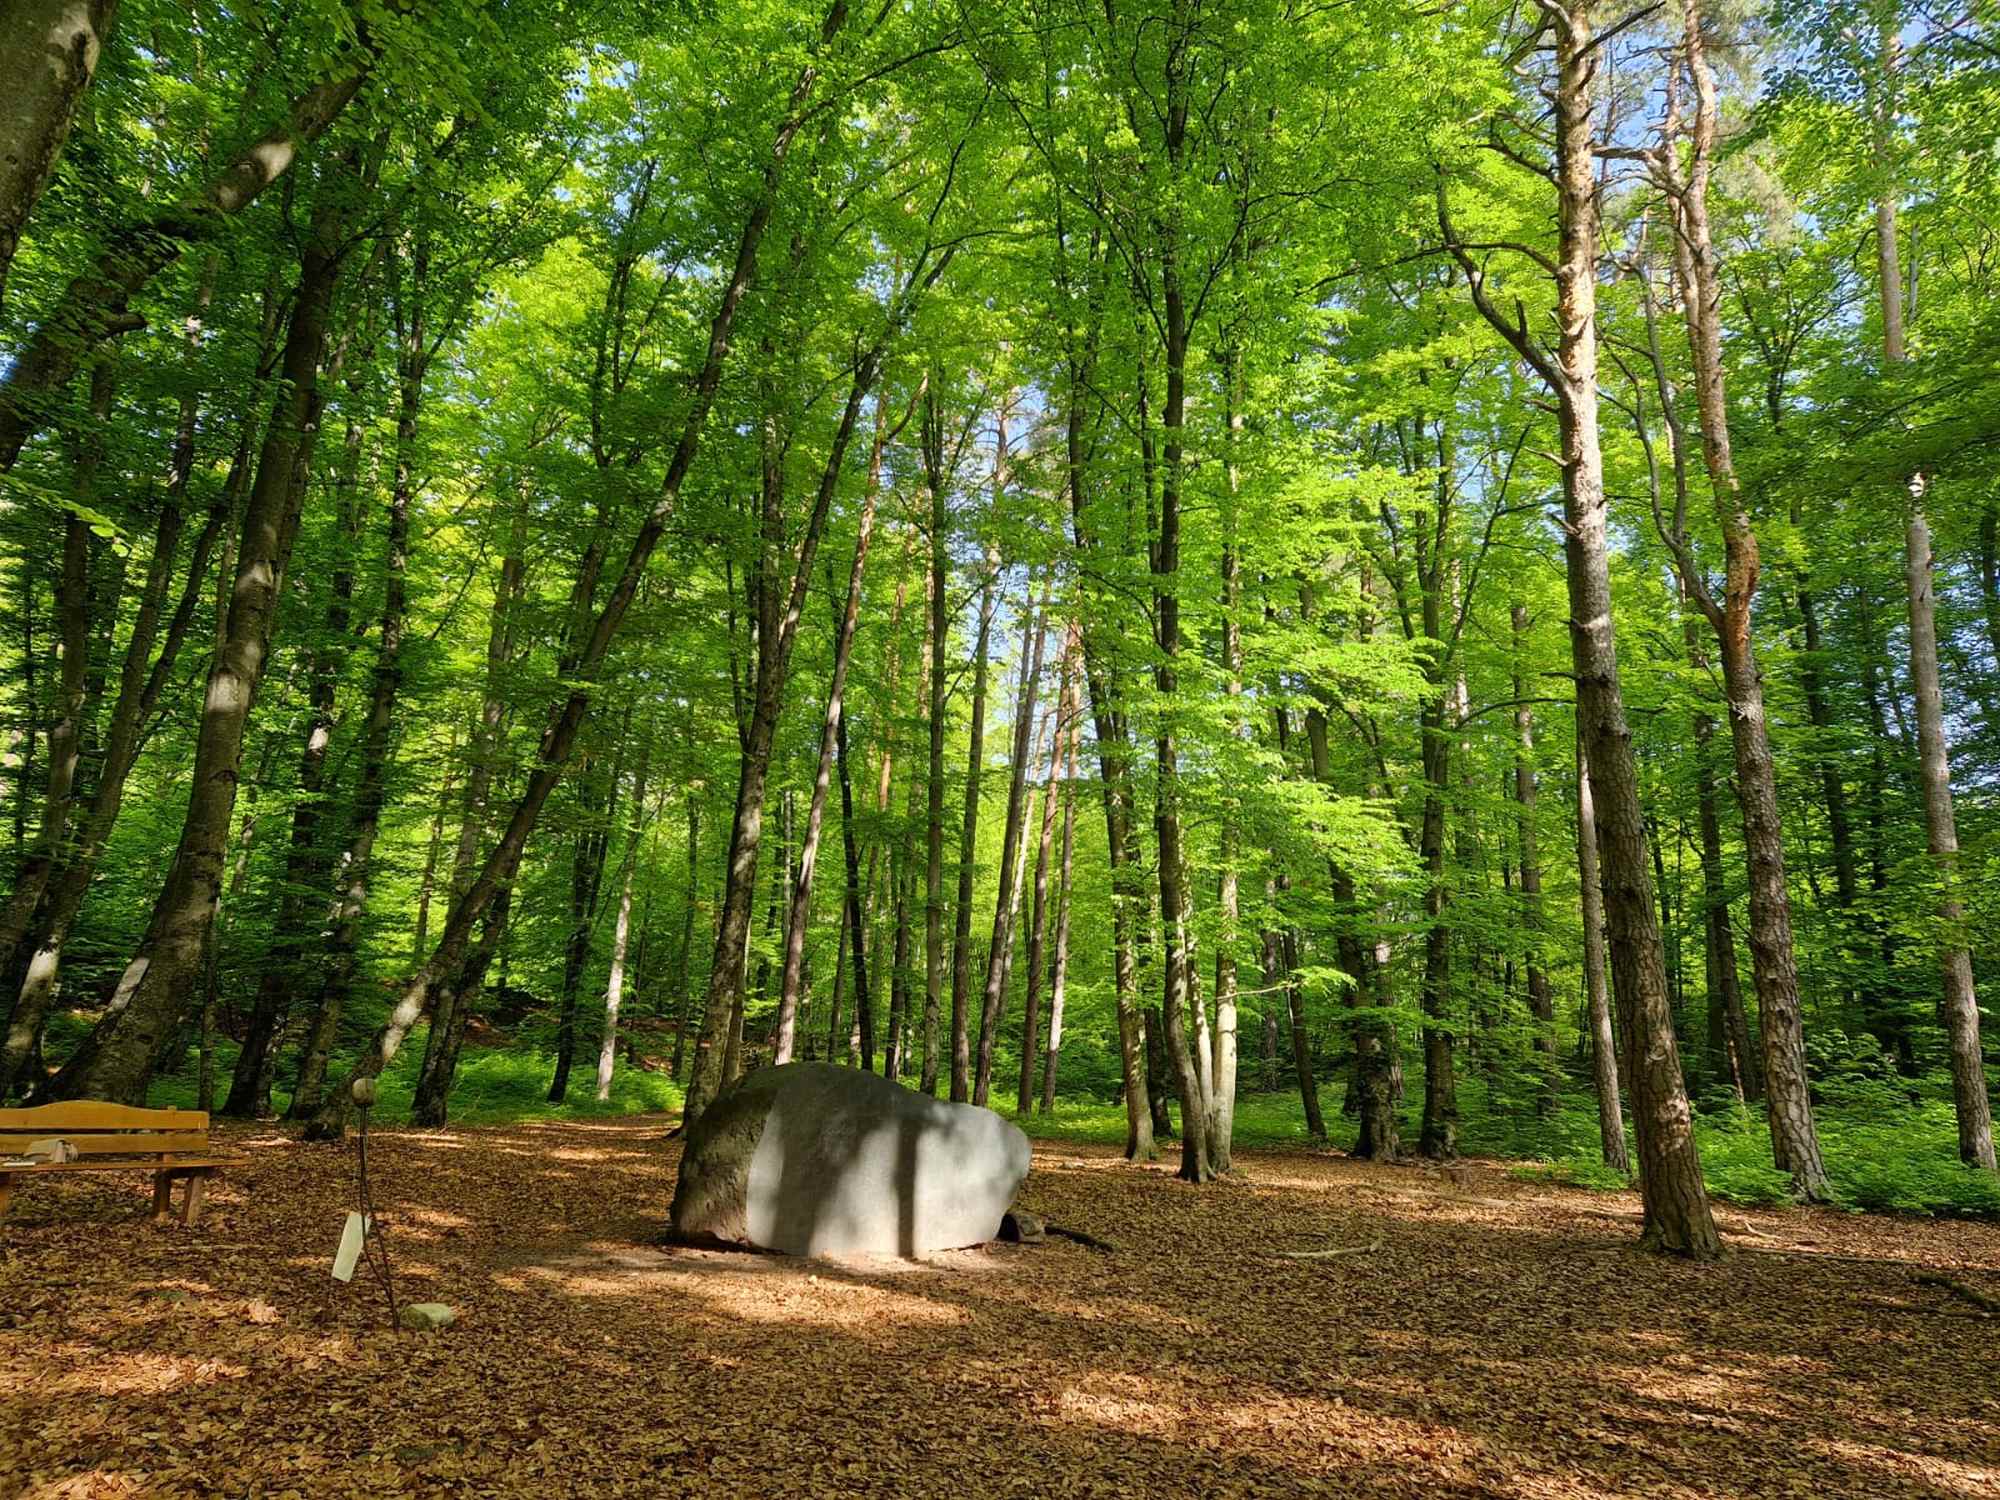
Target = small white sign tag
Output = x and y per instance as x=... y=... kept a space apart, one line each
x=345 y=1258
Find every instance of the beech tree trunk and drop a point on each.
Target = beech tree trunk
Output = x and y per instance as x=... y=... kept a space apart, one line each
x=774 y=649
x=1774 y=964
x=1958 y=1008
x=351 y=886
x=1007 y=901
x=1059 y=963
x=968 y=842
x=48 y=53
x=1597 y=990
x=304 y=891
x=162 y=980
x=94 y=306
x=559 y=737
x=1541 y=1000
x=934 y=788
x=843 y=650
x=621 y=932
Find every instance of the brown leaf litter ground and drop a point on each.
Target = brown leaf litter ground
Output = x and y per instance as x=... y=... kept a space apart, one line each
x=1506 y=1339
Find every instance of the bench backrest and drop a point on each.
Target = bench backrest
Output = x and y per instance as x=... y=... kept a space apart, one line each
x=98 y=1129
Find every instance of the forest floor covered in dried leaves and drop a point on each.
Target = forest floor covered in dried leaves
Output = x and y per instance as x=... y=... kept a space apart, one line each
x=1505 y=1338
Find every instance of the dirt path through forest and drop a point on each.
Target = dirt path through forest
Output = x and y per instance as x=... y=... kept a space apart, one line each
x=1505 y=1339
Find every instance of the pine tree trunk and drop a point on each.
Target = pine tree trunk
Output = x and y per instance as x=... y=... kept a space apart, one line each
x=1677 y=1218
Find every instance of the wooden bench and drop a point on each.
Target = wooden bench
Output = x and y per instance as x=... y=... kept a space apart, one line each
x=170 y=1143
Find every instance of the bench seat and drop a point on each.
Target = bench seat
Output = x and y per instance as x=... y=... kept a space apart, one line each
x=172 y=1144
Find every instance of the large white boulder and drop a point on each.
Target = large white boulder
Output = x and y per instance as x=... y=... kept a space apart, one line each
x=813 y=1159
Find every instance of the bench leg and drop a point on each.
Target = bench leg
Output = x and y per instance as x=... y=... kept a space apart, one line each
x=6 y=1191
x=197 y=1185
x=163 y=1196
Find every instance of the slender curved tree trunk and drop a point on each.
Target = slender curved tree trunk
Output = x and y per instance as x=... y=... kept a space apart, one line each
x=800 y=915
x=558 y=738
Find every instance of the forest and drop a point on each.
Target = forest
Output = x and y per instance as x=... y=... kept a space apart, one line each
x=1375 y=620
x=1425 y=578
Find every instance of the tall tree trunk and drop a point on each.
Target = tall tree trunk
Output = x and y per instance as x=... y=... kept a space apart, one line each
x=302 y=898
x=1604 y=1051
x=934 y=784
x=614 y=987
x=1438 y=1137
x=1176 y=901
x=1007 y=898
x=155 y=992
x=968 y=842
x=685 y=958
x=1725 y=988
x=48 y=52
x=1222 y=1122
x=1677 y=1218
x=1031 y=1018
x=1541 y=1001
x=843 y=650
x=559 y=737
x=1368 y=993
x=67 y=724
x=142 y=678
x=450 y=994
x=350 y=903
x=599 y=809
x=775 y=644
x=1774 y=964
x=857 y=916
x=1958 y=1008
x=1059 y=962
x=94 y=306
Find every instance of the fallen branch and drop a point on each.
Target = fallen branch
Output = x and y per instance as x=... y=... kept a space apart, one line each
x=1979 y=1299
x=1369 y=1248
